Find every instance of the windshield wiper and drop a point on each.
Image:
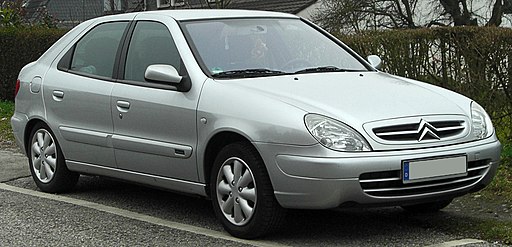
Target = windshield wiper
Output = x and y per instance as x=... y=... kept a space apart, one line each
x=247 y=73
x=325 y=69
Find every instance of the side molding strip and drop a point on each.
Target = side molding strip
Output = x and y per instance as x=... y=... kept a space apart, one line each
x=151 y=147
x=85 y=136
x=147 y=179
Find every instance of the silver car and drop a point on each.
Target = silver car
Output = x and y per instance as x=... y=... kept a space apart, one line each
x=257 y=111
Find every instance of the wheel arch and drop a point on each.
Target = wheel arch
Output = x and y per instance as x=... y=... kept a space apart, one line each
x=28 y=129
x=215 y=144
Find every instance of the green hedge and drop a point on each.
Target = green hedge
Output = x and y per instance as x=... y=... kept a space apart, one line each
x=474 y=61
x=471 y=60
x=19 y=46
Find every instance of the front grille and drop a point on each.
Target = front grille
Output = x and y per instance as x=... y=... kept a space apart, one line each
x=422 y=131
x=389 y=183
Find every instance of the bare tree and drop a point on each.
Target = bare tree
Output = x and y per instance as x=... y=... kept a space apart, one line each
x=462 y=15
x=368 y=14
x=498 y=11
x=459 y=12
x=354 y=15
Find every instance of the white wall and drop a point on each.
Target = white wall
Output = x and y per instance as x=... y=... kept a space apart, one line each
x=310 y=11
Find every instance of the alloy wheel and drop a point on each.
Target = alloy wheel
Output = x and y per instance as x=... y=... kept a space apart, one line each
x=236 y=191
x=44 y=155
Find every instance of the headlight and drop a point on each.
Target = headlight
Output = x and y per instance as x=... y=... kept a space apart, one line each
x=334 y=134
x=481 y=122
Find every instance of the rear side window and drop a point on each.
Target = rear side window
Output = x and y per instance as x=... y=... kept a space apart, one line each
x=151 y=43
x=95 y=53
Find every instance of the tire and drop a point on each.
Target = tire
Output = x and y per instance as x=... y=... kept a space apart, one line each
x=430 y=207
x=240 y=184
x=47 y=163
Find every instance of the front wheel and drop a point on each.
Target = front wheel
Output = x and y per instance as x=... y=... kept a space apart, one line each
x=242 y=195
x=47 y=164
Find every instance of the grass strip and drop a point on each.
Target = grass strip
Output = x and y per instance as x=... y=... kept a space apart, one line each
x=6 y=111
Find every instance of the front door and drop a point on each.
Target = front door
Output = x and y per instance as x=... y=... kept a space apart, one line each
x=154 y=125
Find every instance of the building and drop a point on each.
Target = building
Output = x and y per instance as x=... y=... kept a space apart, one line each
x=69 y=13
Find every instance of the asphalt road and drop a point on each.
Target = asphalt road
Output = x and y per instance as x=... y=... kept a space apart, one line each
x=104 y=212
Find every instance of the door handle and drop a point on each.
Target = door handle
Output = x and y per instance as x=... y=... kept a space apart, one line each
x=123 y=106
x=58 y=95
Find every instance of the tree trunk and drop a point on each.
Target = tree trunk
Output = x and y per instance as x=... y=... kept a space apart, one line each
x=461 y=17
x=497 y=14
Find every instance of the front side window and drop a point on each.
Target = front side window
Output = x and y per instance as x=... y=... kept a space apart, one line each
x=268 y=45
x=95 y=53
x=151 y=43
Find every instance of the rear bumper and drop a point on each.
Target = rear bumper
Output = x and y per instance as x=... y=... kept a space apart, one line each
x=18 y=123
x=303 y=179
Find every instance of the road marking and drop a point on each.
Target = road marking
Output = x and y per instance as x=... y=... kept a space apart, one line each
x=459 y=242
x=139 y=217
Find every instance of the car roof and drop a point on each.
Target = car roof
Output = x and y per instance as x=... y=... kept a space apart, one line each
x=198 y=14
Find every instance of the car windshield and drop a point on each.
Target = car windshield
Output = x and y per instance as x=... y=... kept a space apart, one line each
x=234 y=48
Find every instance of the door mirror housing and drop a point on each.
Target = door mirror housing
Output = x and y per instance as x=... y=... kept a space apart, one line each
x=375 y=61
x=163 y=73
x=167 y=74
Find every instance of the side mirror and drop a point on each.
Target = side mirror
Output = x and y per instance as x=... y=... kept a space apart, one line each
x=375 y=61
x=163 y=73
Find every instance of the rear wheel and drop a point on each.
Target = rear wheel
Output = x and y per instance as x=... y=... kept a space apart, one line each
x=242 y=195
x=47 y=164
x=430 y=207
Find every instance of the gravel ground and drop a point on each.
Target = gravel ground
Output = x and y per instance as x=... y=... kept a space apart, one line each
x=476 y=206
x=30 y=221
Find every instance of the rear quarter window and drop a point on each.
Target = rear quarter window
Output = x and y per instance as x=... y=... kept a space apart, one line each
x=95 y=53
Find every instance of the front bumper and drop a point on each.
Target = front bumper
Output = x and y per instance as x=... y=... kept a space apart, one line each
x=313 y=177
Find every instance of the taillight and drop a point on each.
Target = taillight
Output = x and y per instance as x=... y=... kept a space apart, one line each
x=17 y=87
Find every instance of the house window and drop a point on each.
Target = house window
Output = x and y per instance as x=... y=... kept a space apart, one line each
x=113 y=6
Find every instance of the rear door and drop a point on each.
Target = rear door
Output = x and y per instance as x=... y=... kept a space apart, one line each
x=154 y=124
x=77 y=95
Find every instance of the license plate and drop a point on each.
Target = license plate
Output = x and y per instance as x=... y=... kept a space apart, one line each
x=433 y=169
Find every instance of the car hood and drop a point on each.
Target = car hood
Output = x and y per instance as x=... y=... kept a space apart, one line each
x=357 y=98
